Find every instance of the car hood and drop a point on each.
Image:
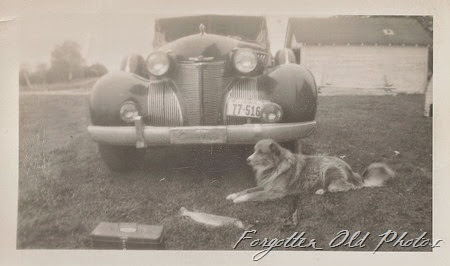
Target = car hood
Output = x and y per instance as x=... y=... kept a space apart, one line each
x=206 y=45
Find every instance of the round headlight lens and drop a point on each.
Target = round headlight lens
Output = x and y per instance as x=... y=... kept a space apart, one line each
x=245 y=60
x=271 y=113
x=158 y=63
x=128 y=111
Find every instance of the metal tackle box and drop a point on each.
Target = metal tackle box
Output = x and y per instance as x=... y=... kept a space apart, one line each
x=127 y=236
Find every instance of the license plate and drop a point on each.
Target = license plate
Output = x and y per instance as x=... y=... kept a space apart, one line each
x=204 y=135
x=244 y=108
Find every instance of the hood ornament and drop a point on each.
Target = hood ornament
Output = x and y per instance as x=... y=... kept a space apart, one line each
x=201 y=58
x=202 y=29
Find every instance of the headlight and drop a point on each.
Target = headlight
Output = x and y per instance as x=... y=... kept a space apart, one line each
x=158 y=63
x=271 y=113
x=128 y=111
x=245 y=60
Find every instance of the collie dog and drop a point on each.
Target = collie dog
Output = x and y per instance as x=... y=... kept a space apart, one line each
x=280 y=173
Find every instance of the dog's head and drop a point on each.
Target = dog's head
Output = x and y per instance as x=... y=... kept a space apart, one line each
x=267 y=154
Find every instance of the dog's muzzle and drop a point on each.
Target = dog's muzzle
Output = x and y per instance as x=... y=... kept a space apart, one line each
x=249 y=159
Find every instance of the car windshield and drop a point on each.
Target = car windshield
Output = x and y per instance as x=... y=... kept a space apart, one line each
x=250 y=29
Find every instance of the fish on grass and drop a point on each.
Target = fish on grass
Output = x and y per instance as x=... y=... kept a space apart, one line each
x=211 y=219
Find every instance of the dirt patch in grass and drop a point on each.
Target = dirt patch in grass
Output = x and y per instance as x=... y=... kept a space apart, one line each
x=65 y=190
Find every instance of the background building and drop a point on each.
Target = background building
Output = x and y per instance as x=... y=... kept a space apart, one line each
x=363 y=54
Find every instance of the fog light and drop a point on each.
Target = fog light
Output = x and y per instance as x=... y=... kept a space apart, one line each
x=271 y=113
x=128 y=111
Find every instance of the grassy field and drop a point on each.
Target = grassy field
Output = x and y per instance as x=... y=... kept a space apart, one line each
x=76 y=84
x=65 y=190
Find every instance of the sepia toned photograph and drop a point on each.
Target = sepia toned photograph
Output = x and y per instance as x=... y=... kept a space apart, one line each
x=217 y=131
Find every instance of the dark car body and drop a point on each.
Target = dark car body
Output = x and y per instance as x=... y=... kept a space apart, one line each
x=190 y=103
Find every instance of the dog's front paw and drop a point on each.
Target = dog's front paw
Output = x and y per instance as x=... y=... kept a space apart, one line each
x=232 y=196
x=320 y=192
x=241 y=199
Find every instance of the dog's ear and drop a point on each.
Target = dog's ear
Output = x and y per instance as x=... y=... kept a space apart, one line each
x=275 y=148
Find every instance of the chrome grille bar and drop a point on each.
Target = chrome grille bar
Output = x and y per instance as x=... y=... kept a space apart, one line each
x=262 y=58
x=163 y=106
x=201 y=87
x=188 y=78
x=212 y=79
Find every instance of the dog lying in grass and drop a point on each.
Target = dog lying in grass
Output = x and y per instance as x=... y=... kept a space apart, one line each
x=280 y=173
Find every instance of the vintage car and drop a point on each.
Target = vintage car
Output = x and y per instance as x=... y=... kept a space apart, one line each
x=210 y=80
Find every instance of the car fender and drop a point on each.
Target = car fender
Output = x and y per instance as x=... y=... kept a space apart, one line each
x=293 y=87
x=111 y=91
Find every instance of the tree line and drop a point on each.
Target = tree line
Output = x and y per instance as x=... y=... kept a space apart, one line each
x=66 y=64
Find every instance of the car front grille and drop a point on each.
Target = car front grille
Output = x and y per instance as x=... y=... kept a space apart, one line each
x=201 y=88
x=262 y=58
x=163 y=105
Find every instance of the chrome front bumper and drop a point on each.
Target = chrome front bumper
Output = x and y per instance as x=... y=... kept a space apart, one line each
x=143 y=136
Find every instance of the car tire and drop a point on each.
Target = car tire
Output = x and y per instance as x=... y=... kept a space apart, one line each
x=121 y=158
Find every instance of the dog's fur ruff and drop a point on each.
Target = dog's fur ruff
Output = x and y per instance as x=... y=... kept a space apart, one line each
x=279 y=173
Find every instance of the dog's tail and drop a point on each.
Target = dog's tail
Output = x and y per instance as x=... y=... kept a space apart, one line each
x=377 y=174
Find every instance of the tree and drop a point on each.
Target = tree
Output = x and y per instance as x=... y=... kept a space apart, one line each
x=66 y=62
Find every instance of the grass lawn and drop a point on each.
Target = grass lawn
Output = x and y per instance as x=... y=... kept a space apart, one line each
x=76 y=84
x=65 y=189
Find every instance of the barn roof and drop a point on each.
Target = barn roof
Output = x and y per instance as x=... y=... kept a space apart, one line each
x=356 y=30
